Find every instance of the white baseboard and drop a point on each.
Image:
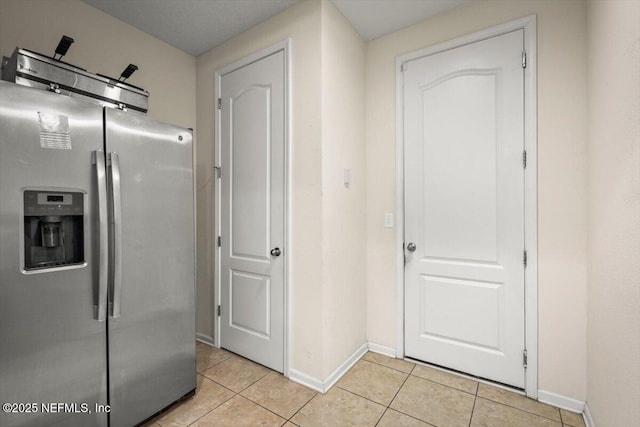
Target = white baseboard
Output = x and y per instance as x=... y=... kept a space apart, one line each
x=205 y=339
x=562 y=402
x=344 y=367
x=588 y=419
x=382 y=349
x=324 y=386
x=554 y=399
x=306 y=380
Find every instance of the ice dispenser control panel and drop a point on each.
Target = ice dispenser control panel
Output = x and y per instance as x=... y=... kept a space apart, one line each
x=53 y=229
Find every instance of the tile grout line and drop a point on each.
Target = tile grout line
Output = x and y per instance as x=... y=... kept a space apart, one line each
x=193 y=397
x=523 y=410
x=400 y=388
x=434 y=382
x=238 y=394
x=561 y=419
x=221 y=385
x=447 y=385
x=300 y=409
x=371 y=400
x=215 y=364
x=267 y=373
x=257 y=403
x=253 y=383
x=381 y=416
x=443 y=385
x=212 y=409
x=386 y=407
x=412 y=417
x=563 y=422
x=408 y=415
x=264 y=407
x=473 y=408
x=386 y=366
x=363 y=397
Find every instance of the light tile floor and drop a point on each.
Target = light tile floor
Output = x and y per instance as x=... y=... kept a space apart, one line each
x=377 y=391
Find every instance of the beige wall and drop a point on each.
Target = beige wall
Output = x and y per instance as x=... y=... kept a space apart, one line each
x=302 y=24
x=343 y=209
x=562 y=122
x=105 y=45
x=328 y=282
x=613 y=393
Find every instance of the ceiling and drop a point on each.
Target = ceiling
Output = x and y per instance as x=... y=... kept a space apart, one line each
x=195 y=26
x=375 y=18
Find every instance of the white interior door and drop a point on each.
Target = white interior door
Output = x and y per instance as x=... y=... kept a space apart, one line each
x=464 y=208
x=252 y=211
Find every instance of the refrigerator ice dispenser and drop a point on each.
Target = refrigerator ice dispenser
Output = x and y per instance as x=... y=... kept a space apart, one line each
x=53 y=229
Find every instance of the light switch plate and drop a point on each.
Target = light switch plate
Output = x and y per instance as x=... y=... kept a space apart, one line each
x=388 y=220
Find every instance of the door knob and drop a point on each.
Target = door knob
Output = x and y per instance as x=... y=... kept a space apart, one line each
x=411 y=247
x=275 y=252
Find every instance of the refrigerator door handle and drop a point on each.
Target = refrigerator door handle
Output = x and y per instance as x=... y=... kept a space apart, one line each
x=103 y=233
x=114 y=164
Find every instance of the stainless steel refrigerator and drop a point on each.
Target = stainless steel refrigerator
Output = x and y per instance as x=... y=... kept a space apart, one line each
x=97 y=323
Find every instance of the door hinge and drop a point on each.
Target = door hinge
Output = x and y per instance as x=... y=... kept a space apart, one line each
x=524 y=59
x=219 y=311
x=219 y=103
x=219 y=241
x=218 y=170
x=524 y=258
x=524 y=357
x=524 y=159
x=404 y=66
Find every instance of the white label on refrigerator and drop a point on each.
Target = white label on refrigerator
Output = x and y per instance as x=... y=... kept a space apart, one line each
x=54 y=131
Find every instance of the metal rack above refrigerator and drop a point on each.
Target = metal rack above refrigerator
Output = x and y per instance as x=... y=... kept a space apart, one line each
x=28 y=68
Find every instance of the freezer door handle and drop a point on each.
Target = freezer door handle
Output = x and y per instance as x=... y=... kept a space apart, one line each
x=103 y=233
x=116 y=201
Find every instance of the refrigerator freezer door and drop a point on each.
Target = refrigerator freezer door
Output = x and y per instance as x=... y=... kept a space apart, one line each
x=152 y=339
x=52 y=348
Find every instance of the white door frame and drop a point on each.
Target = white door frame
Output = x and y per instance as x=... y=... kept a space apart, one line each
x=528 y=24
x=284 y=46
